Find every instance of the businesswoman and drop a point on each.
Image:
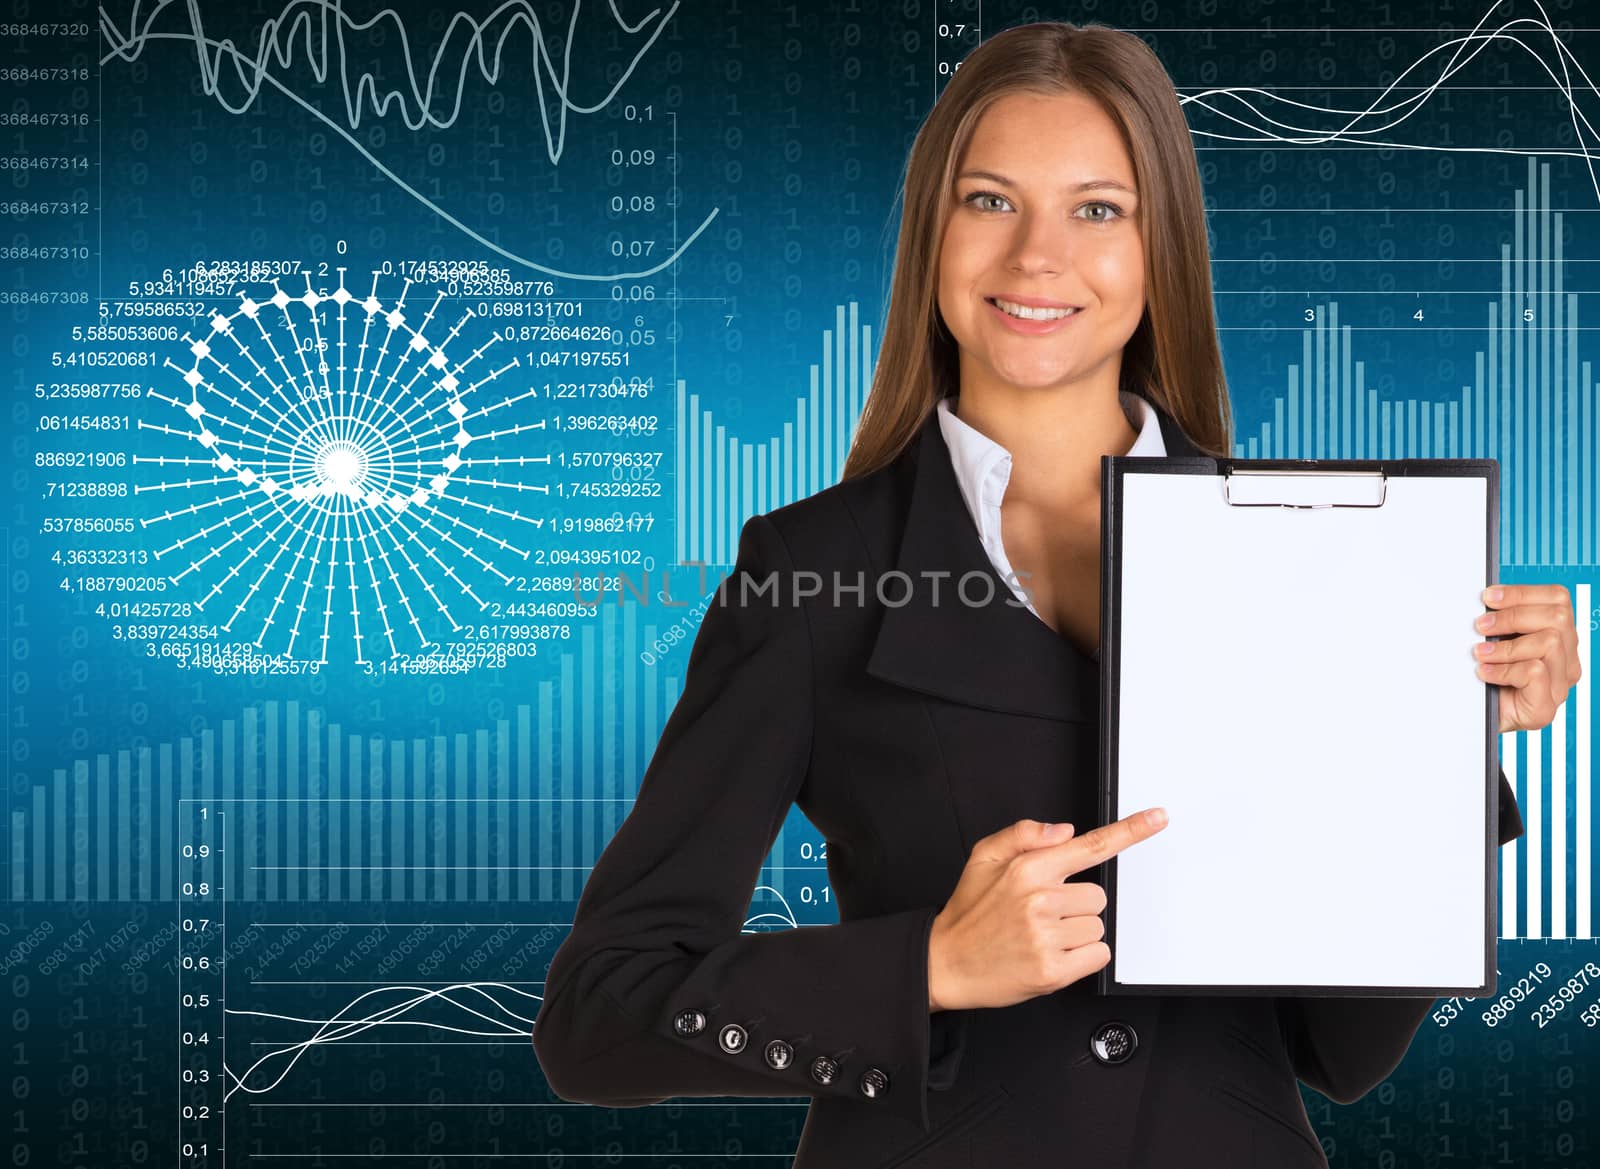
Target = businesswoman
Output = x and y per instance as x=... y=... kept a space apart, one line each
x=909 y=656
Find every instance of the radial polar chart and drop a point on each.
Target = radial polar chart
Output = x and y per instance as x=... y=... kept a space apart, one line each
x=337 y=475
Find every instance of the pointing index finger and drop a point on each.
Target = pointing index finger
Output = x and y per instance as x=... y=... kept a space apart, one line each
x=1086 y=851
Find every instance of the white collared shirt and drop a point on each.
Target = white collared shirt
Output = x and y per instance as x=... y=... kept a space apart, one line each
x=983 y=468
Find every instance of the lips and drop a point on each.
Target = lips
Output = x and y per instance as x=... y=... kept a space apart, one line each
x=1055 y=311
x=1046 y=323
x=1030 y=301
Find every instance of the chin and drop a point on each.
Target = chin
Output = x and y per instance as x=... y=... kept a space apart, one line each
x=1039 y=384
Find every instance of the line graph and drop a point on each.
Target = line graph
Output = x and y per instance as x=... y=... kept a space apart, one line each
x=417 y=1012
x=306 y=1014
x=1362 y=124
x=482 y=1013
x=429 y=101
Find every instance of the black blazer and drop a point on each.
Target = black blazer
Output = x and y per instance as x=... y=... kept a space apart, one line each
x=905 y=725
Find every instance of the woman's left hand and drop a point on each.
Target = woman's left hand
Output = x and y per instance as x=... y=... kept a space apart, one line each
x=1536 y=668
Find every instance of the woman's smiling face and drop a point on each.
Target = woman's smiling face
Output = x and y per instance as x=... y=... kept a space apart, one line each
x=1052 y=220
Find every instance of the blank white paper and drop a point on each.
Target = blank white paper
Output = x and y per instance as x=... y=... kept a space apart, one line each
x=1298 y=690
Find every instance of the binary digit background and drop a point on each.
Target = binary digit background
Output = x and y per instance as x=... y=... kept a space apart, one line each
x=359 y=354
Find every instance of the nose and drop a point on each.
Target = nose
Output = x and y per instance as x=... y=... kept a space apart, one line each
x=1042 y=244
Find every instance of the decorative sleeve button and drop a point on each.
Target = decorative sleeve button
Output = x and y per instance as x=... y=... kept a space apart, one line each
x=779 y=1055
x=874 y=1083
x=823 y=1070
x=689 y=1022
x=732 y=1039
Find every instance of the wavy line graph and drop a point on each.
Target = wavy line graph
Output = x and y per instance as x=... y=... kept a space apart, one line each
x=322 y=26
x=404 y=1005
x=1266 y=128
x=272 y=1068
x=360 y=477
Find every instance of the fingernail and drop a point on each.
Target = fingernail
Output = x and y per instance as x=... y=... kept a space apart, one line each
x=1157 y=817
x=1493 y=594
x=1056 y=831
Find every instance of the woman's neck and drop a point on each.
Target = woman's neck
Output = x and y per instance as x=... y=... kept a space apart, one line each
x=1056 y=437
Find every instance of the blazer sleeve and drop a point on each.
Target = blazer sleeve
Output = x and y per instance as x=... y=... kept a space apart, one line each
x=657 y=992
x=1345 y=1047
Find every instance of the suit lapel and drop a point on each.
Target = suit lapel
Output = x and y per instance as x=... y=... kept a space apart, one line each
x=987 y=651
x=1172 y=437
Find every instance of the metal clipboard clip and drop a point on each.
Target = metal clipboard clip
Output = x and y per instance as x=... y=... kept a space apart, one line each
x=1228 y=476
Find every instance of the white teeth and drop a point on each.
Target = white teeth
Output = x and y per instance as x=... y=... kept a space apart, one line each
x=1032 y=314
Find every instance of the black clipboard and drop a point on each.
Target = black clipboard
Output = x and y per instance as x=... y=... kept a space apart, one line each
x=1247 y=503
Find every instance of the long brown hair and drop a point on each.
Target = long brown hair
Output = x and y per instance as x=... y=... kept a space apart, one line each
x=1173 y=358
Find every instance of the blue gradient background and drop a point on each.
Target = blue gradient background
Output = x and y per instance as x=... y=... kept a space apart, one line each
x=494 y=788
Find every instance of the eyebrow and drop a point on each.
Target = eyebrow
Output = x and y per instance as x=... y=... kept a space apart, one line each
x=1087 y=185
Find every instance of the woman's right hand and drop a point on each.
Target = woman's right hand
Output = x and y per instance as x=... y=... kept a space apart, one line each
x=1015 y=928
